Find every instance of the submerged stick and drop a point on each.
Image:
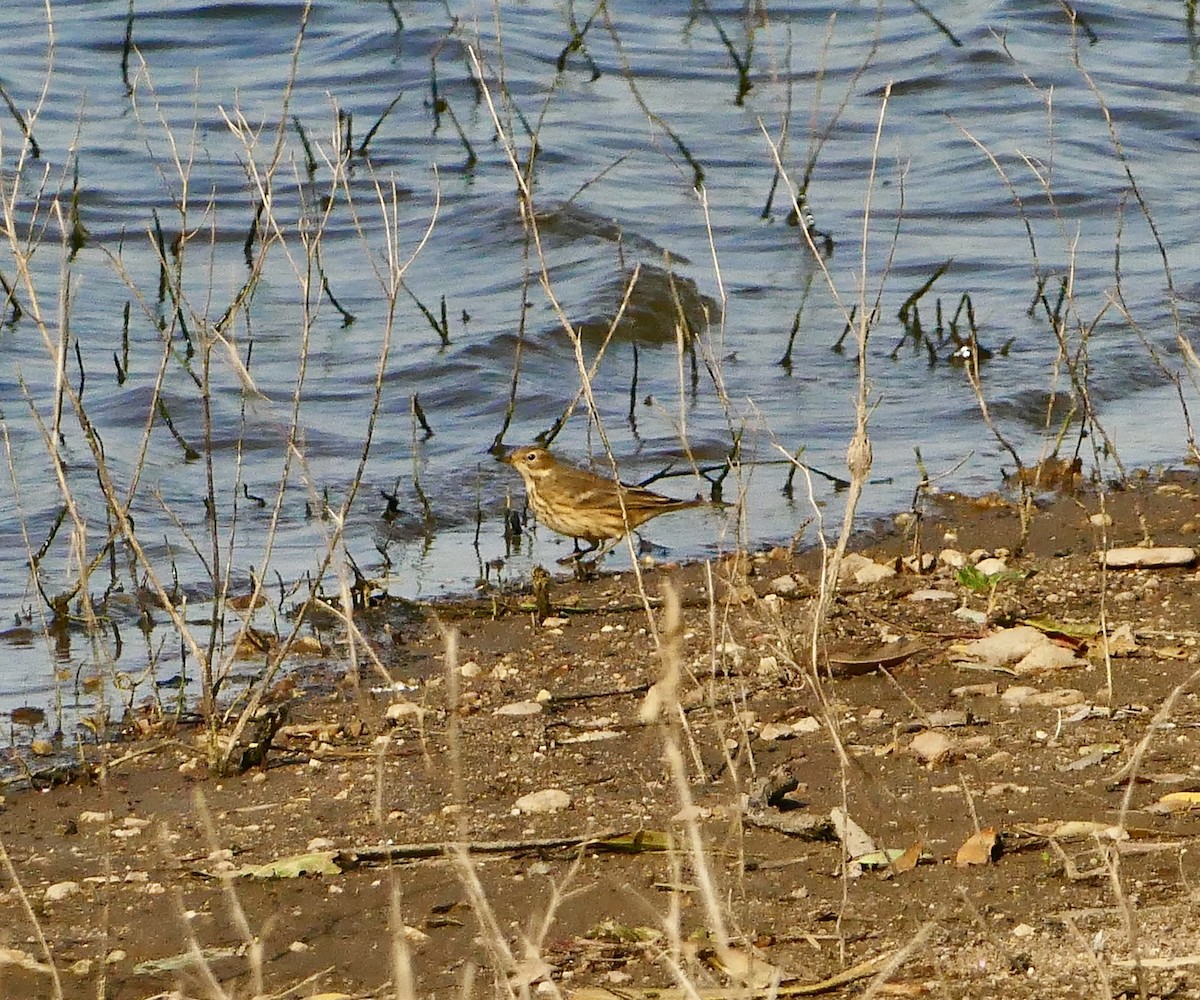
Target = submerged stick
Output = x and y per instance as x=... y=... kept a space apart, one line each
x=24 y=126
x=126 y=47
x=419 y=413
x=362 y=146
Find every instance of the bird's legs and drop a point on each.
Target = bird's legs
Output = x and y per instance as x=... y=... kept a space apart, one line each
x=579 y=553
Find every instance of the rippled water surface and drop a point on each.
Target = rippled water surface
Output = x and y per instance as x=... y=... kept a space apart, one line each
x=407 y=263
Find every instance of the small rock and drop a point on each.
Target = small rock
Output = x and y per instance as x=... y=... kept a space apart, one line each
x=1057 y=698
x=952 y=558
x=919 y=565
x=776 y=731
x=1005 y=788
x=932 y=595
x=692 y=814
x=554 y=622
x=545 y=801
x=991 y=566
x=1120 y=641
x=873 y=573
x=785 y=586
x=971 y=615
x=931 y=747
x=1022 y=931
x=81 y=969
x=403 y=710
x=60 y=891
x=1018 y=694
x=975 y=691
x=860 y=569
x=89 y=816
x=948 y=718
x=1100 y=520
x=1046 y=657
x=972 y=745
x=731 y=650
x=768 y=665
x=806 y=725
x=520 y=708
x=1135 y=556
x=469 y=669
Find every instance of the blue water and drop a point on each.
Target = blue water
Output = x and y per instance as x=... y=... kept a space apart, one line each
x=209 y=122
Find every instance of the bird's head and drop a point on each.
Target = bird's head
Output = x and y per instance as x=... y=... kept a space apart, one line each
x=530 y=462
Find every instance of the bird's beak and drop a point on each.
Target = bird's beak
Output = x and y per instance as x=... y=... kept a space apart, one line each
x=507 y=457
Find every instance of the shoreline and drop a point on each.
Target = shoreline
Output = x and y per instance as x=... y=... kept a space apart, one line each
x=551 y=714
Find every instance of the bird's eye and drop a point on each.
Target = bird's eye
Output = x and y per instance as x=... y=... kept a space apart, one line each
x=531 y=456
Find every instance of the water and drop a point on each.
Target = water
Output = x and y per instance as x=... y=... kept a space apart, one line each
x=615 y=190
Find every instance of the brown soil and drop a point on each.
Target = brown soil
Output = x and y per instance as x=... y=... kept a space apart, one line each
x=1049 y=916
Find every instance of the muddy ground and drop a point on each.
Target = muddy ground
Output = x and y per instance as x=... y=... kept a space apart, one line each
x=113 y=887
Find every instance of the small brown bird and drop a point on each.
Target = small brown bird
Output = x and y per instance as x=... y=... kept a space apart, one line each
x=584 y=506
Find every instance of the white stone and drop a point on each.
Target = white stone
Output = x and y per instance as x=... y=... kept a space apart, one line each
x=784 y=586
x=860 y=569
x=1135 y=556
x=1018 y=694
x=932 y=595
x=520 y=708
x=545 y=801
x=923 y=563
x=992 y=566
x=776 y=731
x=60 y=891
x=403 y=710
x=931 y=747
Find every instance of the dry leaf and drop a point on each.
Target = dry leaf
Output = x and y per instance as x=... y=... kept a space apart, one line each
x=1076 y=829
x=853 y=659
x=909 y=859
x=980 y=849
x=853 y=837
x=747 y=968
x=1180 y=801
